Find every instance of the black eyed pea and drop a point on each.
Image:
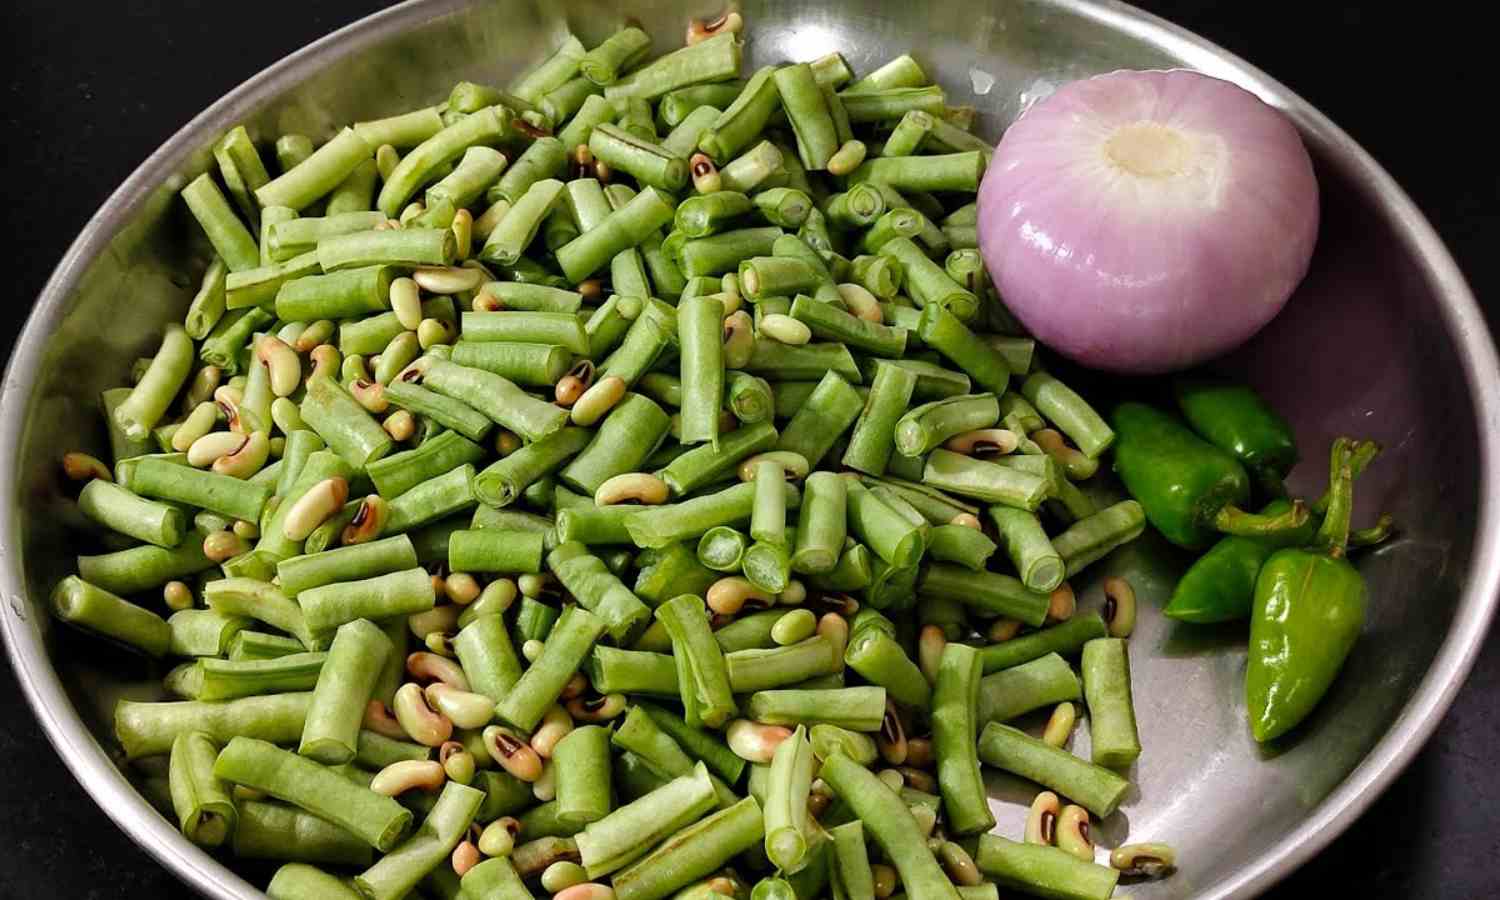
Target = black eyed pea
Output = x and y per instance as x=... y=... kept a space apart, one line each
x=513 y=754
x=315 y=507
x=429 y=667
x=408 y=775
x=754 y=742
x=463 y=708
x=1119 y=606
x=632 y=487
x=1041 y=819
x=425 y=725
x=1144 y=860
x=1073 y=832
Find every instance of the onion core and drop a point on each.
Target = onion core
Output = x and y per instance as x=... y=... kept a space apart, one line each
x=1144 y=222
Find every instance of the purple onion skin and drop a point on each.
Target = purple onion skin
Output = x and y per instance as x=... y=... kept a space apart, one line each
x=1144 y=222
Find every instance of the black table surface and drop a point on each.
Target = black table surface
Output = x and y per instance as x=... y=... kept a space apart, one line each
x=95 y=90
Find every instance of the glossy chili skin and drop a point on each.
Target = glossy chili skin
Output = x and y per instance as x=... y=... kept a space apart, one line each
x=1220 y=585
x=1237 y=420
x=1180 y=479
x=1309 y=609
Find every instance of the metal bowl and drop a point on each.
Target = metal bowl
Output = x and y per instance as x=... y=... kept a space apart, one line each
x=1383 y=340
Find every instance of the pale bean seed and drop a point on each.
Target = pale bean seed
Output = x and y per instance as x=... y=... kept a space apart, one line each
x=589 y=891
x=506 y=443
x=861 y=303
x=562 y=875
x=835 y=629
x=431 y=332
x=1062 y=603
x=370 y=394
x=1002 y=630
x=1072 y=832
x=219 y=546
x=700 y=30
x=206 y=450
x=246 y=529
x=83 y=467
x=400 y=425
x=706 y=178
x=754 y=742
x=1041 y=819
x=930 y=644
x=248 y=459
x=425 y=725
x=1119 y=606
x=177 y=595
x=484 y=301
x=1060 y=725
x=794 y=595
x=984 y=442
x=287 y=416
x=533 y=584
x=598 y=400
x=795 y=626
x=793 y=465
x=575 y=687
x=463 y=708
x=406 y=303
x=532 y=649
x=227 y=397
x=919 y=752
x=463 y=232
x=447 y=279
x=1075 y=462
x=967 y=520
x=632 y=487
x=314 y=335
x=368 y=521
x=597 y=709
x=918 y=779
x=386 y=160
x=458 y=763
x=959 y=865
x=326 y=361
x=784 y=329
x=847 y=158
x=739 y=339
x=432 y=667
x=201 y=388
x=462 y=588
x=728 y=596
x=1152 y=860
x=465 y=857
x=556 y=724
x=591 y=289
x=407 y=775
x=513 y=754
x=885 y=880
x=282 y=364
x=499 y=837
x=198 y=423
x=497 y=596
x=313 y=508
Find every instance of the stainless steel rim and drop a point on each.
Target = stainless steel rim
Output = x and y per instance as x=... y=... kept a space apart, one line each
x=93 y=768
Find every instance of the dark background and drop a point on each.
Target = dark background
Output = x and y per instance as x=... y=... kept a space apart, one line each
x=95 y=90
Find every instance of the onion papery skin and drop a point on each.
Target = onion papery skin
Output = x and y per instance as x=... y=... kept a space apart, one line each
x=1145 y=221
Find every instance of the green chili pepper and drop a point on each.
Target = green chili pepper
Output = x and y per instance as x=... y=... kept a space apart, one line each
x=1191 y=490
x=1220 y=585
x=1235 y=419
x=1309 y=609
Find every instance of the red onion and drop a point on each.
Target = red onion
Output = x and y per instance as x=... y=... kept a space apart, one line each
x=1143 y=222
